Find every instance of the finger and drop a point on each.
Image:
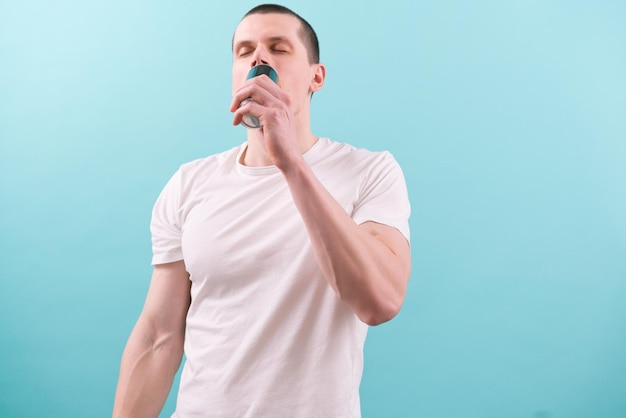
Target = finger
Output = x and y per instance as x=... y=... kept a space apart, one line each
x=256 y=90
x=261 y=89
x=251 y=107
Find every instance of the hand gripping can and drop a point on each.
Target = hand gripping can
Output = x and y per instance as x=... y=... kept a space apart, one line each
x=249 y=120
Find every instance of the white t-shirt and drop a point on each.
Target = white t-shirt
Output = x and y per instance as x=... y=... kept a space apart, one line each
x=266 y=336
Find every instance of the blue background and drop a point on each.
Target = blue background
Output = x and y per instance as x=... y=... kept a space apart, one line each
x=509 y=119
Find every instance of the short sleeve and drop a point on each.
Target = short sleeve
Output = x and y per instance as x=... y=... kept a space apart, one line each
x=383 y=196
x=166 y=225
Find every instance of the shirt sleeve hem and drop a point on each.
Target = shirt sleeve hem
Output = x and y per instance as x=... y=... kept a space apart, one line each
x=166 y=258
x=401 y=226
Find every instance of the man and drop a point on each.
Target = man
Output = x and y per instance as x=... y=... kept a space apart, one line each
x=271 y=259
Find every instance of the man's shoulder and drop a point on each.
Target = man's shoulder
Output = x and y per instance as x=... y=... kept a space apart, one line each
x=211 y=163
x=353 y=153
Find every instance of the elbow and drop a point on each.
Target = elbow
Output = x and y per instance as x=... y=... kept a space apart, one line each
x=384 y=306
x=385 y=311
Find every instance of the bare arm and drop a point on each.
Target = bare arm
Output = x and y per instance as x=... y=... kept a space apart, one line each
x=368 y=266
x=155 y=347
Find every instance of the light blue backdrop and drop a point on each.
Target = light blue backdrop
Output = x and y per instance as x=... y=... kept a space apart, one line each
x=509 y=119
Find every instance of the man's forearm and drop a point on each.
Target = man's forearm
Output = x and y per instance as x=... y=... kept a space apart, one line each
x=146 y=374
x=365 y=272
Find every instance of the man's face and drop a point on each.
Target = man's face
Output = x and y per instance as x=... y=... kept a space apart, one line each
x=274 y=39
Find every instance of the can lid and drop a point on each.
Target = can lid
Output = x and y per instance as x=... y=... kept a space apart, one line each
x=261 y=69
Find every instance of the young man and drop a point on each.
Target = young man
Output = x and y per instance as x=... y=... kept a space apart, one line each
x=270 y=259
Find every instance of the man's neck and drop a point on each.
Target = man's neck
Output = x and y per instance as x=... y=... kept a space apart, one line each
x=255 y=155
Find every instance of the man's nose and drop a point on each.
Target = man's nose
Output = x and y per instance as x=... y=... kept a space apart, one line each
x=258 y=62
x=258 y=58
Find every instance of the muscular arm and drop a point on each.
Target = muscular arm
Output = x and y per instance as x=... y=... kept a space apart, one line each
x=155 y=347
x=368 y=266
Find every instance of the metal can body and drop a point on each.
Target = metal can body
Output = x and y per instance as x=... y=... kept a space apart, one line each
x=249 y=120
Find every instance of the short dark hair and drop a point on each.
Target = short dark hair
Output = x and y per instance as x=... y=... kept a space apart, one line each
x=307 y=34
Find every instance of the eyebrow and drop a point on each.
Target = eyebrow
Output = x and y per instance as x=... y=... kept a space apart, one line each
x=271 y=39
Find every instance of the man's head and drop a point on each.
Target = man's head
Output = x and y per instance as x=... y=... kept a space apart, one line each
x=306 y=32
x=276 y=36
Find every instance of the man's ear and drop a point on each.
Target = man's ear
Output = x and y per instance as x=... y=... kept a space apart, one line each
x=319 y=75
